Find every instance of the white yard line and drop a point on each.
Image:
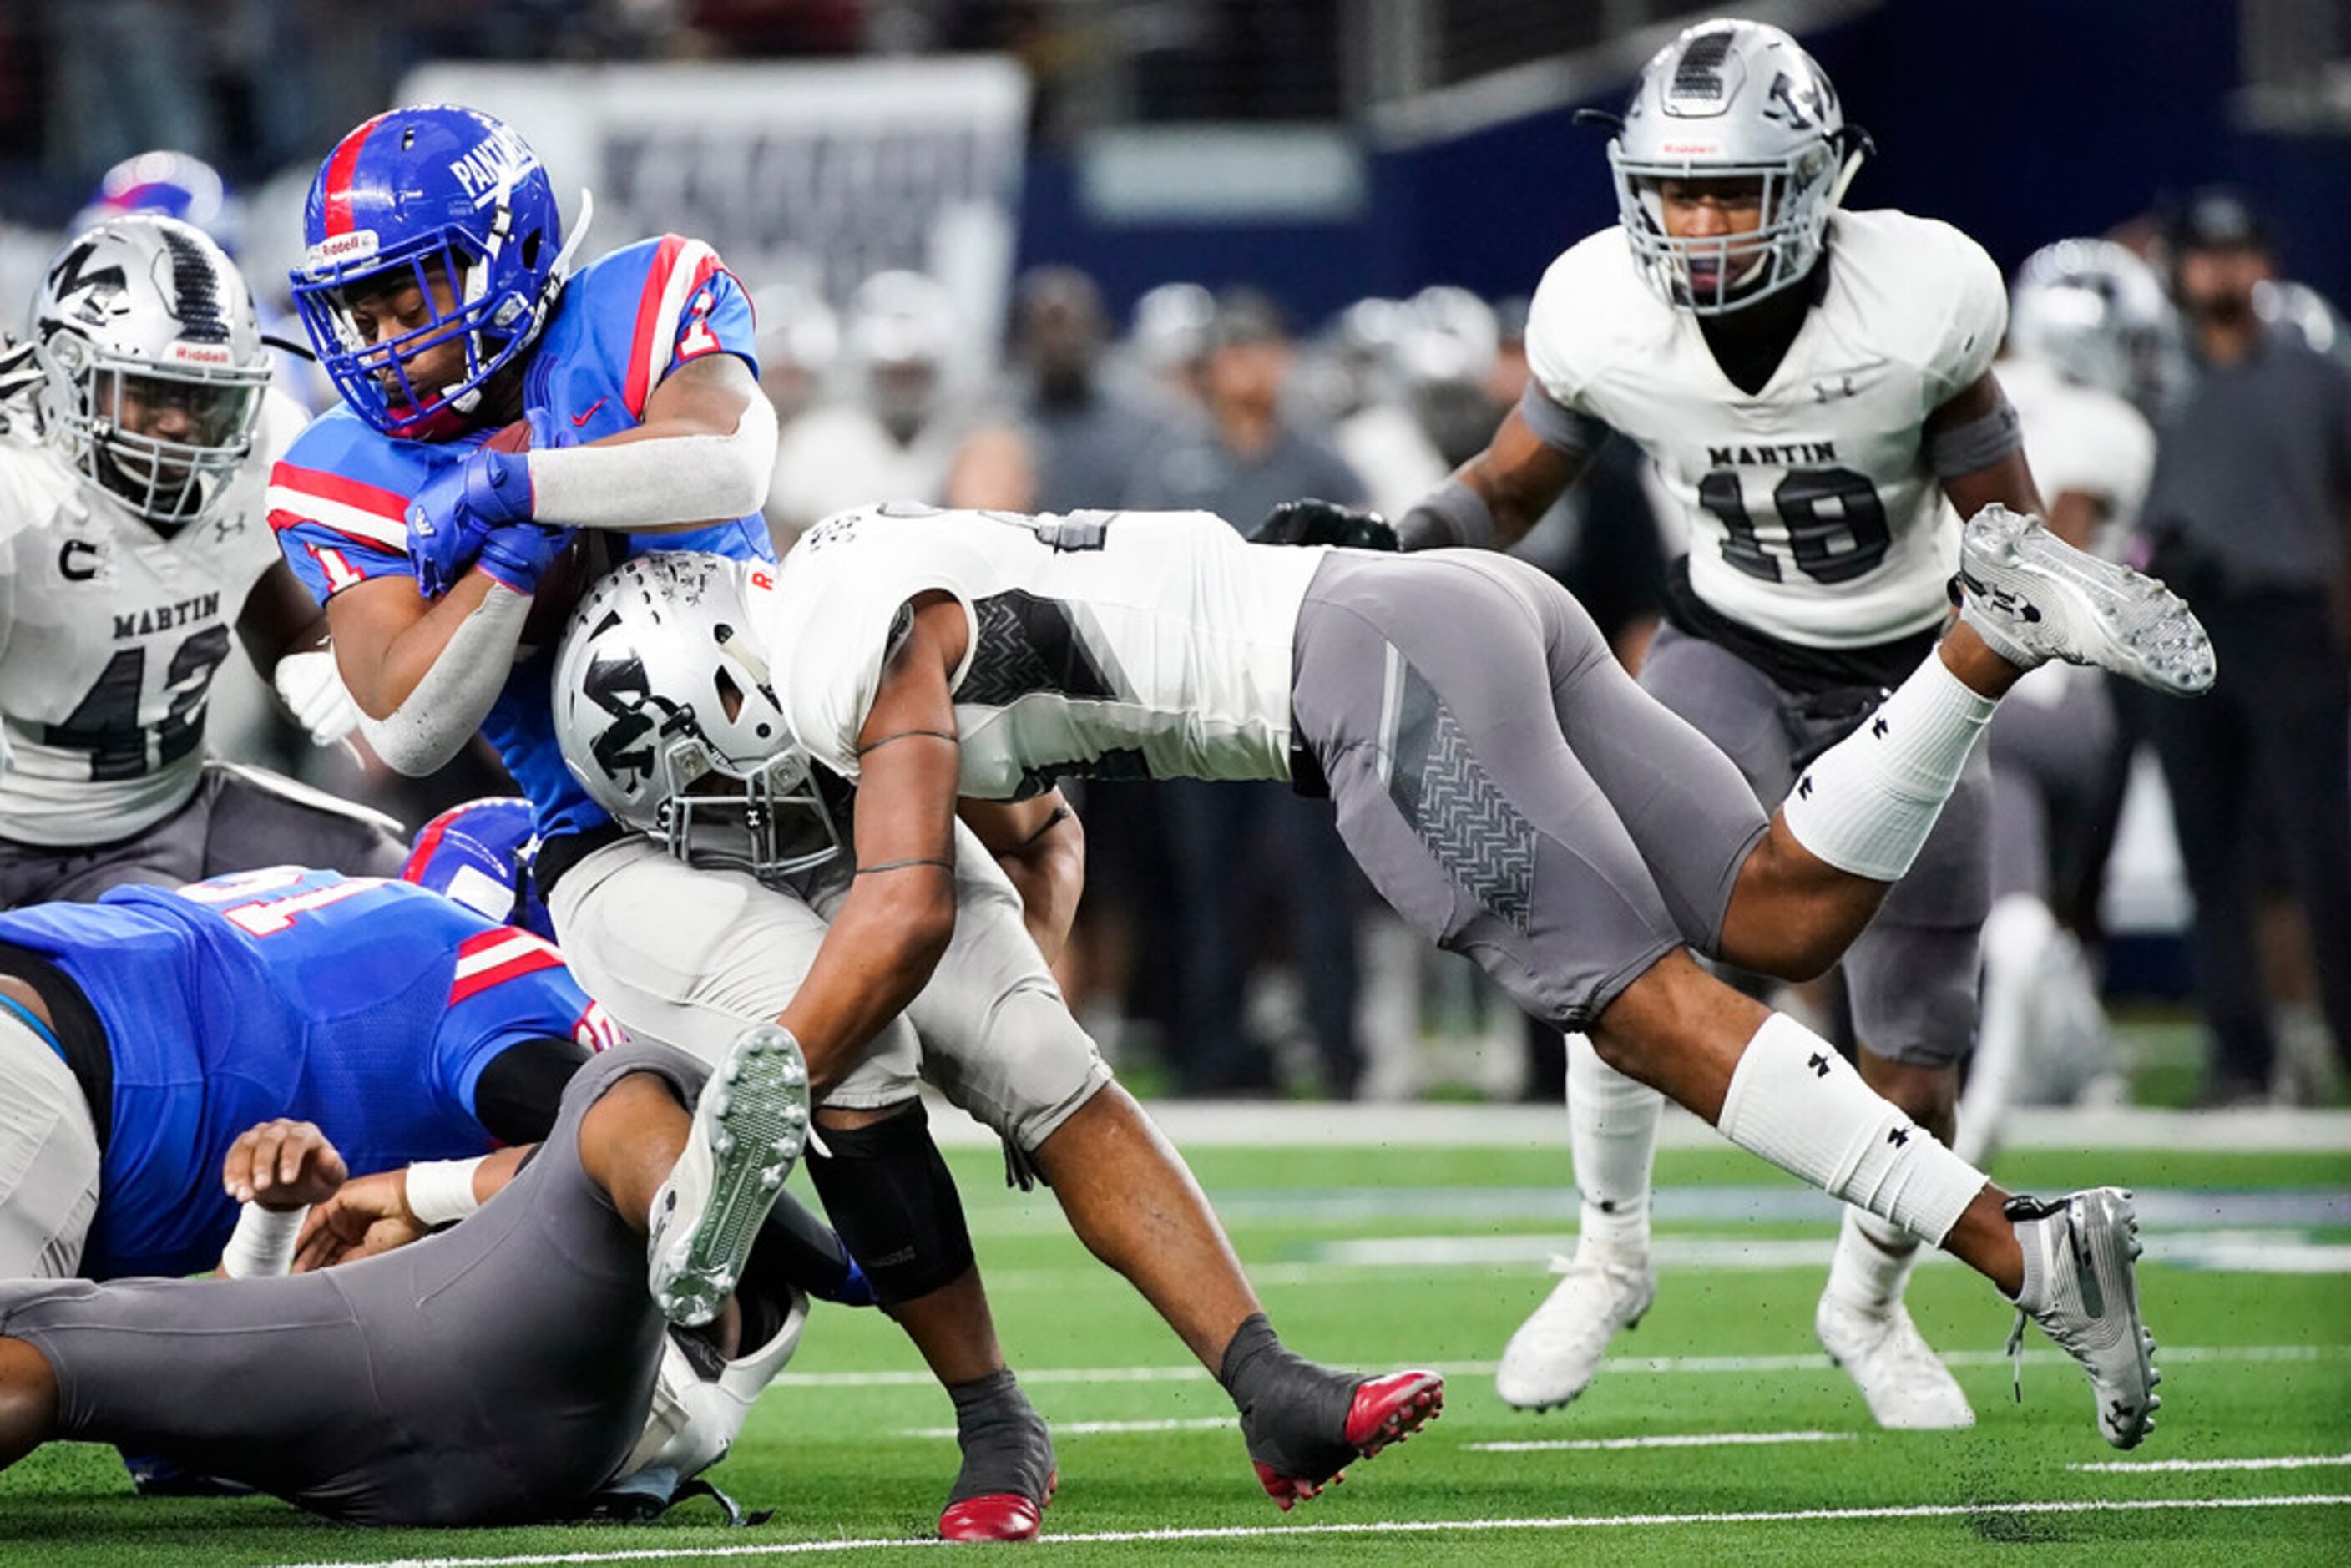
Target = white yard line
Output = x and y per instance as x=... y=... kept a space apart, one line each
x=1659 y=1440
x=1393 y=1527
x=2175 y=1467
x=1663 y=1364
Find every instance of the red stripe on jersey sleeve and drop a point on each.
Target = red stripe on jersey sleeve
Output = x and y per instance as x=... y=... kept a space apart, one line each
x=641 y=352
x=390 y=505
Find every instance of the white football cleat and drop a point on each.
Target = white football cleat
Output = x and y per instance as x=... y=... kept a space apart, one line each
x=2081 y=1285
x=749 y=1128
x=1556 y=1353
x=2033 y=598
x=1905 y=1381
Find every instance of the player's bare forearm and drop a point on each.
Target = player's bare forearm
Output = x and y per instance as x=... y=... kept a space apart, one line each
x=1041 y=846
x=892 y=928
x=1519 y=477
x=387 y=636
x=280 y=617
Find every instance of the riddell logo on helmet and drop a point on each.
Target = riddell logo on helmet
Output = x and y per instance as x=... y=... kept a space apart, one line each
x=1692 y=149
x=199 y=354
x=340 y=249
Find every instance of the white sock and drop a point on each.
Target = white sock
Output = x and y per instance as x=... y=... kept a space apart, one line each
x=1873 y=1261
x=1867 y=804
x=1799 y=1105
x=1614 y=1120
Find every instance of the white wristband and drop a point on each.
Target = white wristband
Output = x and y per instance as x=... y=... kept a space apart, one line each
x=262 y=1245
x=442 y=1191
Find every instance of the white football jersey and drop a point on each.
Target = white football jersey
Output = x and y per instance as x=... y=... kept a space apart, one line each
x=1811 y=512
x=1104 y=644
x=109 y=638
x=2080 y=438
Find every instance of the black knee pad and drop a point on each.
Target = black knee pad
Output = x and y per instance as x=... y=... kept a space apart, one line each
x=887 y=1190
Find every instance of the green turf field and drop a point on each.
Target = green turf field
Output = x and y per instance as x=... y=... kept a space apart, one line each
x=850 y=1452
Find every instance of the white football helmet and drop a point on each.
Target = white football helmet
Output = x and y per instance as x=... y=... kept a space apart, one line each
x=2099 y=317
x=664 y=715
x=697 y=1412
x=153 y=365
x=1732 y=101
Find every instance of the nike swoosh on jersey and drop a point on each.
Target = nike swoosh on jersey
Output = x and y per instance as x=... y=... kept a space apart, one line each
x=581 y=419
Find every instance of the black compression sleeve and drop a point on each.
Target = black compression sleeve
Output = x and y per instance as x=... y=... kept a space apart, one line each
x=518 y=1094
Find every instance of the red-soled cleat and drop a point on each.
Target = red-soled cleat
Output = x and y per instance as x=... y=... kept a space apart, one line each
x=1390 y=1409
x=998 y=1516
x=1383 y=1410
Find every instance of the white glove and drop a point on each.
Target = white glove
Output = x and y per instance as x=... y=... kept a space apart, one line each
x=312 y=690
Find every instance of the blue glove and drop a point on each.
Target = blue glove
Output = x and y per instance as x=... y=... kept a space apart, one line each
x=451 y=518
x=519 y=554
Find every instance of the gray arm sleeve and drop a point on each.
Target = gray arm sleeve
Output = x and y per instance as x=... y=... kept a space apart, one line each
x=1452 y=514
x=449 y=704
x=1557 y=426
x=1979 y=443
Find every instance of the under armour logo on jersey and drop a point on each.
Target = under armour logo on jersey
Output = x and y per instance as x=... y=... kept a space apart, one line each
x=1804 y=788
x=228 y=528
x=1878 y=726
x=1899 y=1137
x=1819 y=1063
x=1824 y=391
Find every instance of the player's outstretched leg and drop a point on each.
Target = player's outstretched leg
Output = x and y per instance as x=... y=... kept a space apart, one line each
x=749 y=1126
x=1777 y=1089
x=1609 y=1283
x=2031 y=598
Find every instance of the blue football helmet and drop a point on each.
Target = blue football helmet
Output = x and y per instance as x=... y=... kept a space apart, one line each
x=452 y=203
x=479 y=854
x=176 y=184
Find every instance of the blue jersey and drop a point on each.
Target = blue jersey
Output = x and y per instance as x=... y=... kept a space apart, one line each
x=368 y=1007
x=338 y=501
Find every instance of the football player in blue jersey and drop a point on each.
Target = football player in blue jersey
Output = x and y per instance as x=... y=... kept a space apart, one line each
x=438 y=288
x=143 y=1033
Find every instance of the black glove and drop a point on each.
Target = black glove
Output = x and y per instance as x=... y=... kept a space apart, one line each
x=1313 y=522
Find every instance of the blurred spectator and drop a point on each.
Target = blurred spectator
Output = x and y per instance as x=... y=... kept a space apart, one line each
x=799 y=342
x=1093 y=436
x=1168 y=337
x=892 y=438
x=1241 y=850
x=995 y=470
x=2246 y=516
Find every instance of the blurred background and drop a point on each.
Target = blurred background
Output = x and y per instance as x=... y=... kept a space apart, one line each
x=1053 y=254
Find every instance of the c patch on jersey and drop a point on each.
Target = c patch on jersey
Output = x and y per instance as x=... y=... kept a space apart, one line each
x=1022 y=644
x=1441 y=789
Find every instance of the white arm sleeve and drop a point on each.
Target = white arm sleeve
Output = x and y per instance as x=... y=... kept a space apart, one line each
x=645 y=483
x=450 y=702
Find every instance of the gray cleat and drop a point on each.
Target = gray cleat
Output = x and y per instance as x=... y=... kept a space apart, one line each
x=749 y=1128
x=2033 y=598
x=2081 y=1285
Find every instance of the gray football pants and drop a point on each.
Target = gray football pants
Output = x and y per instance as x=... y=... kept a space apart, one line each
x=1502 y=781
x=496 y=1372
x=1911 y=973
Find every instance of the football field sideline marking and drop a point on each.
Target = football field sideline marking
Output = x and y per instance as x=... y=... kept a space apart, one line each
x=1377 y=1527
x=2177 y=1467
x=1656 y=1440
x=1660 y=1364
